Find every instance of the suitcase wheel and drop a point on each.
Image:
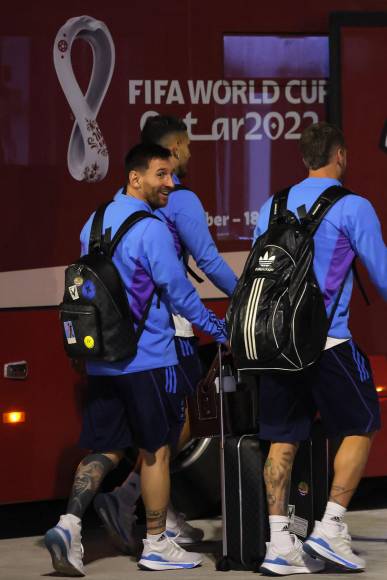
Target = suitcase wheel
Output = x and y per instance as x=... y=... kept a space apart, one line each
x=223 y=564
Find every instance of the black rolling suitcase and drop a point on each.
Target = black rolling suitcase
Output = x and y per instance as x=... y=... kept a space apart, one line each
x=311 y=476
x=245 y=522
x=244 y=512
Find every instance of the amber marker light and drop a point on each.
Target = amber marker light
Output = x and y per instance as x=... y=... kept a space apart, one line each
x=14 y=417
x=381 y=389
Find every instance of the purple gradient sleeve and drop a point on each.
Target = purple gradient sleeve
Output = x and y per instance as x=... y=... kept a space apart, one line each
x=168 y=274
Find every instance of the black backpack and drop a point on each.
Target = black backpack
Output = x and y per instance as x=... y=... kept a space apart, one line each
x=96 y=318
x=277 y=319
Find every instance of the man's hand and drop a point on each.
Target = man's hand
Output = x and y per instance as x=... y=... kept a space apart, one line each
x=226 y=348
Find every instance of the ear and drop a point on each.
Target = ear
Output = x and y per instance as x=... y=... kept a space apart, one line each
x=340 y=155
x=175 y=152
x=134 y=179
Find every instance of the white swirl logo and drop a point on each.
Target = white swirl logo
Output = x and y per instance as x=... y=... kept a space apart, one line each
x=87 y=155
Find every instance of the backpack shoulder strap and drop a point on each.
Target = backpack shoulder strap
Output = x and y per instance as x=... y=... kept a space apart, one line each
x=193 y=274
x=323 y=204
x=136 y=217
x=95 y=240
x=279 y=206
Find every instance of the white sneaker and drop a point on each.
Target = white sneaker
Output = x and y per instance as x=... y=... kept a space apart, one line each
x=180 y=530
x=296 y=561
x=64 y=544
x=165 y=554
x=336 y=549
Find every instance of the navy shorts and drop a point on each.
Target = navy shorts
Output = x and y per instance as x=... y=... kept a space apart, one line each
x=189 y=361
x=144 y=410
x=339 y=386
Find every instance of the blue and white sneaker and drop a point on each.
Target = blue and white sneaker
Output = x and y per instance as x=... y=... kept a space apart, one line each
x=335 y=549
x=296 y=561
x=165 y=554
x=64 y=544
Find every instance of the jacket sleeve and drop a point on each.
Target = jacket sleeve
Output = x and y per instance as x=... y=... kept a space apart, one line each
x=191 y=224
x=168 y=274
x=85 y=235
x=362 y=226
x=263 y=219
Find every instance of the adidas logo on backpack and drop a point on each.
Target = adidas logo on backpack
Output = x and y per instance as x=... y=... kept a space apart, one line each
x=277 y=319
x=265 y=263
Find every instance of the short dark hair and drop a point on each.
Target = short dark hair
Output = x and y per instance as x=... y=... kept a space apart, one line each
x=160 y=126
x=318 y=142
x=140 y=155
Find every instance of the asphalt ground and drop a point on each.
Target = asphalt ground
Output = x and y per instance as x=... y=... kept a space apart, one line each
x=26 y=557
x=23 y=555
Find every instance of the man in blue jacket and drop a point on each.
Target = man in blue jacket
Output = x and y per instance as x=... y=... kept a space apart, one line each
x=186 y=219
x=138 y=402
x=340 y=384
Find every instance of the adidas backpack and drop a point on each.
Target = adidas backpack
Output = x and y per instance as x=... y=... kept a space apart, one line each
x=96 y=318
x=277 y=319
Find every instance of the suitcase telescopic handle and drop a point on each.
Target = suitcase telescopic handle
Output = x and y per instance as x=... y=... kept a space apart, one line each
x=222 y=466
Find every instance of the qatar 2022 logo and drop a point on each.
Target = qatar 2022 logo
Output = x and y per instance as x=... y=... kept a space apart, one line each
x=87 y=155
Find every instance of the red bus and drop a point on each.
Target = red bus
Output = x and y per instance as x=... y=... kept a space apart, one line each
x=76 y=88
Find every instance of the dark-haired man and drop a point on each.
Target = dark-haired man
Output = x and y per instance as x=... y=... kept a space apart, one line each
x=340 y=384
x=185 y=217
x=138 y=402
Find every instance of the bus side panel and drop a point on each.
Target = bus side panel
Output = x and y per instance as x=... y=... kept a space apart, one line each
x=38 y=456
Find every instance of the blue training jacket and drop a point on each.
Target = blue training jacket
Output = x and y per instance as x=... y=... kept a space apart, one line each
x=185 y=216
x=146 y=257
x=350 y=228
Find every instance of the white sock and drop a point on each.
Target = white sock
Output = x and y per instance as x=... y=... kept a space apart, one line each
x=155 y=537
x=171 y=516
x=130 y=490
x=280 y=534
x=333 y=517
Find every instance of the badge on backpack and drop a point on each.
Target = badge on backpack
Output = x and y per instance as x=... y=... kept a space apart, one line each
x=69 y=332
x=88 y=289
x=89 y=342
x=74 y=292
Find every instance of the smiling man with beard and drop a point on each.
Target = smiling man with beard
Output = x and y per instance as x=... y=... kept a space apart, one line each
x=186 y=219
x=138 y=402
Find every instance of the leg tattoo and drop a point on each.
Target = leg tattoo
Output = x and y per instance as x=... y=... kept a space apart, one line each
x=156 y=520
x=277 y=474
x=338 y=494
x=88 y=478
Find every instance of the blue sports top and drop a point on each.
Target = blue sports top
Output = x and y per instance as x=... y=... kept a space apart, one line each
x=350 y=228
x=146 y=257
x=186 y=219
